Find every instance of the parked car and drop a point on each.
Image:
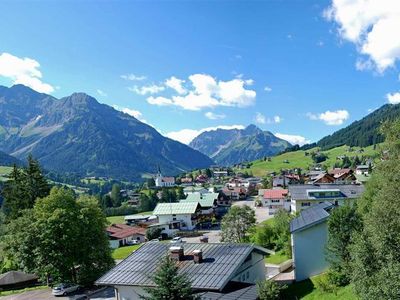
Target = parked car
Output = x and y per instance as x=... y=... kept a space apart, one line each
x=176 y=240
x=133 y=242
x=63 y=289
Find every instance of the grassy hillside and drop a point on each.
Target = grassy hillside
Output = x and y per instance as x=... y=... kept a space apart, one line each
x=4 y=171
x=298 y=159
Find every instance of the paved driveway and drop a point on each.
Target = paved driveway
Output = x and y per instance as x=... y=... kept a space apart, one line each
x=45 y=294
x=261 y=212
x=213 y=237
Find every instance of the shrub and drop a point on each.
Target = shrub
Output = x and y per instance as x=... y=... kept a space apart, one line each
x=270 y=290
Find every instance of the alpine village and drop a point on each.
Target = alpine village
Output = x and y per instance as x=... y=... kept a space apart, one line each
x=144 y=189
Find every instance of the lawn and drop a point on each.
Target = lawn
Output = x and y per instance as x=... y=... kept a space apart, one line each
x=13 y=292
x=5 y=170
x=298 y=159
x=121 y=220
x=307 y=290
x=276 y=258
x=123 y=252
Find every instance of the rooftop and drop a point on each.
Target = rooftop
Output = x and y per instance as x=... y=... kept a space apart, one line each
x=311 y=216
x=300 y=191
x=120 y=231
x=205 y=200
x=275 y=194
x=220 y=262
x=179 y=208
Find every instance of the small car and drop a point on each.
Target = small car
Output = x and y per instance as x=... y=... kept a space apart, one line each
x=176 y=240
x=133 y=242
x=63 y=289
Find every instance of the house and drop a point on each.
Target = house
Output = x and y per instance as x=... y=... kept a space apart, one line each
x=162 y=181
x=305 y=195
x=276 y=199
x=313 y=174
x=237 y=193
x=309 y=234
x=343 y=175
x=186 y=181
x=323 y=178
x=283 y=181
x=195 y=190
x=219 y=174
x=177 y=216
x=362 y=170
x=213 y=269
x=13 y=280
x=121 y=234
x=207 y=202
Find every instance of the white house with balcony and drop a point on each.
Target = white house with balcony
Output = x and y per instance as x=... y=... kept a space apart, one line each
x=181 y=215
x=275 y=199
x=303 y=196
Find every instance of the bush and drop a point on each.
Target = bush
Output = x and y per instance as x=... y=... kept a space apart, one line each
x=120 y=211
x=153 y=233
x=324 y=284
x=270 y=290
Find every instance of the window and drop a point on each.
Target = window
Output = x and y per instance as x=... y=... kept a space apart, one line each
x=303 y=204
x=247 y=275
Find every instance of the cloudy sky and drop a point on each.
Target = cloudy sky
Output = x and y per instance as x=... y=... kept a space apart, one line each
x=300 y=69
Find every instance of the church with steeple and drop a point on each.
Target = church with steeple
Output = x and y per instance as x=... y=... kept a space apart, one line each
x=162 y=181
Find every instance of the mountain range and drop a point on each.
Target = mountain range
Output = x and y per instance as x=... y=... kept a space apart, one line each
x=77 y=134
x=231 y=146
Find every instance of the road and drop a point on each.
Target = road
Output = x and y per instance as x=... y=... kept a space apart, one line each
x=45 y=294
x=213 y=237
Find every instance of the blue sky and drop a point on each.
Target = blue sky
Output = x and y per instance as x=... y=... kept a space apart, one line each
x=302 y=69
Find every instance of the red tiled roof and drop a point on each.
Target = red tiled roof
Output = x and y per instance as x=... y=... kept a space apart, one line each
x=275 y=194
x=120 y=231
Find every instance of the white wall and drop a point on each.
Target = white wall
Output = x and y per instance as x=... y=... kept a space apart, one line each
x=309 y=251
x=187 y=219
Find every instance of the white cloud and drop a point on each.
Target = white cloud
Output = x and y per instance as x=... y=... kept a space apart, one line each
x=134 y=113
x=260 y=118
x=176 y=84
x=373 y=26
x=393 y=98
x=147 y=89
x=160 y=101
x=23 y=71
x=206 y=91
x=101 y=93
x=277 y=119
x=133 y=77
x=320 y=43
x=330 y=117
x=267 y=89
x=293 y=139
x=212 y=116
x=185 y=136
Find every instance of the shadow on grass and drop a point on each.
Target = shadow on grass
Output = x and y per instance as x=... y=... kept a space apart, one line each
x=299 y=290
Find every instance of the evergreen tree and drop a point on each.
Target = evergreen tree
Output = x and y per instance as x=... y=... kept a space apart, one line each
x=116 y=195
x=170 y=284
x=180 y=194
x=36 y=184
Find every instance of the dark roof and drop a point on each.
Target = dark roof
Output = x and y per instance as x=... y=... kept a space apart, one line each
x=220 y=262
x=14 y=277
x=311 y=216
x=120 y=231
x=235 y=291
x=299 y=191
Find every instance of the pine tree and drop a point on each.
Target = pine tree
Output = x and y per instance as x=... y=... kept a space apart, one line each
x=36 y=184
x=170 y=284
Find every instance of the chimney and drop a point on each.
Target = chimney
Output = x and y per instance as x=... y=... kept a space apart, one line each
x=176 y=253
x=198 y=256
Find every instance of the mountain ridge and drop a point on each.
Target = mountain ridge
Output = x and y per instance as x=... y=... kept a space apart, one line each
x=77 y=134
x=231 y=146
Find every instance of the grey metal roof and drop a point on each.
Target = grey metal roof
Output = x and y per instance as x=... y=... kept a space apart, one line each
x=220 y=262
x=246 y=293
x=311 y=216
x=299 y=191
x=179 y=208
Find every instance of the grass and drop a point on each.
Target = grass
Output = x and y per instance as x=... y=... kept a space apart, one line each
x=276 y=258
x=308 y=290
x=4 y=170
x=13 y=292
x=298 y=159
x=121 y=220
x=123 y=252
